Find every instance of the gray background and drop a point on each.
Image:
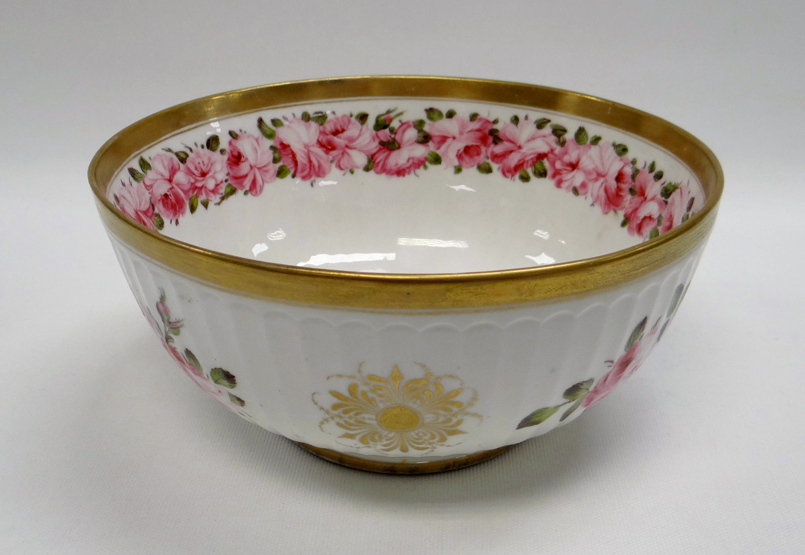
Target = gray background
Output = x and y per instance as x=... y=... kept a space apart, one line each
x=106 y=448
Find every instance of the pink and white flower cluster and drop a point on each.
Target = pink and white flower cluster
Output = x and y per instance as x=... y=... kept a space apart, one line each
x=308 y=148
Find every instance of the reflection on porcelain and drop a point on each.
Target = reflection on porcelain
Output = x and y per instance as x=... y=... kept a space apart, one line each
x=411 y=365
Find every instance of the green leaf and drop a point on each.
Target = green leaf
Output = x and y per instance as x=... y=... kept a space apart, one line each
x=595 y=140
x=450 y=113
x=362 y=117
x=539 y=169
x=575 y=191
x=662 y=330
x=620 y=149
x=224 y=378
x=420 y=124
x=277 y=122
x=637 y=334
x=434 y=114
x=223 y=151
x=675 y=300
x=652 y=167
x=277 y=156
x=182 y=156
x=391 y=144
x=229 y=191
x=538 y=417
x=624 y=222
x=205 y=203
x=381 y=123
x=571 y=410
x=422 y=137
x=524 y=176
x=369 y=165
x=495 y=134
x=669 y=189
x=542 y=123
x=578 y=391
x=159 y=223
x=213 y=143
x=266 y=130
x=144 y=165
x=485 y=167
x=658 y=175
x=305 y=116
x=237 y=400
x=474 y=116
x=559 y=131
x=191 y=358
x=457 y=169
x=581 y=136
x=283 y=171
x=135 y=175
x=319 y=117
x=434 y=158
x=654 y=233
x=193 y=204
x=233 y=134
x=515 y=119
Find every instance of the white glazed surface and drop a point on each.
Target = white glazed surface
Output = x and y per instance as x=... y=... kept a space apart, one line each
x=511 y=361
x=430 y=221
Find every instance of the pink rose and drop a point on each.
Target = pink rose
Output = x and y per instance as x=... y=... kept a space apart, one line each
x=461 y=142
x=622 y=369
x=160 y=180
x=183 y=363
x=170 y=202
x=401 y=154
x=646 y=206
x=134 y=201
x=298 y=144
x=676 y=209
x=610 y=177
x=523 y=146
x=206 y=384
x=251 y=163
x=566 y=169
x=347 y=141
x=203 y=175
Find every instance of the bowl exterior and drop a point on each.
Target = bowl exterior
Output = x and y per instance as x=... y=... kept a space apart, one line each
x=402 y=386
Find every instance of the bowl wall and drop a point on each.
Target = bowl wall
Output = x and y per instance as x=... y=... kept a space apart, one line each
x=407 y=386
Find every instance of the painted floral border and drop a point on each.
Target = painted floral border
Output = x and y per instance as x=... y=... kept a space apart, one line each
x=166 y=186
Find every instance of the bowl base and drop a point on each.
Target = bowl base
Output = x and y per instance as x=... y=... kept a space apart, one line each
x=407 y=468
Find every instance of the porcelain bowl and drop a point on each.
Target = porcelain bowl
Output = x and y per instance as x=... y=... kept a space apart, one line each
x=407 y=274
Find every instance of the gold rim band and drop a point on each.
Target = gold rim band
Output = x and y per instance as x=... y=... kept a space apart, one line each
x=408 y=291
x=430 y=467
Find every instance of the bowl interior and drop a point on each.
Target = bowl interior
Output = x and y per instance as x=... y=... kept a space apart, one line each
x=398 y=185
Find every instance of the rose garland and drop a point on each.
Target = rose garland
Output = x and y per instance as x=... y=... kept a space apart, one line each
x=171 y=183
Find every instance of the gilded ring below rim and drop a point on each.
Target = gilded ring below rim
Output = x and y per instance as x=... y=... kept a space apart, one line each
x=334 y=288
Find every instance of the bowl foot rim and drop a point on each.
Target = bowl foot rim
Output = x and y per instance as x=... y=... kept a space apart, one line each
x=404 y=468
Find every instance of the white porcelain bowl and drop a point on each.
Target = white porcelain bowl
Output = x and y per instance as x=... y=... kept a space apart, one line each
x=407 y=274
